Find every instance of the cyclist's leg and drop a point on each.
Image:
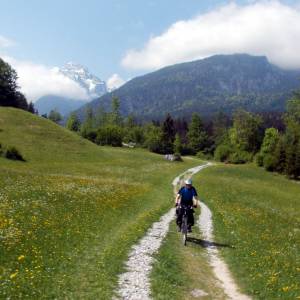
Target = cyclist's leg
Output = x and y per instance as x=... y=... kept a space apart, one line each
x=179 y=216
x=191 y=220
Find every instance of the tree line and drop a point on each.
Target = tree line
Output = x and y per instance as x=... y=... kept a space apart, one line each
x=271 y=140
x=275 y=149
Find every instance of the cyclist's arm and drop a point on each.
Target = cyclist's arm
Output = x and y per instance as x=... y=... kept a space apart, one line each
x=195 y=200
x=177 y=200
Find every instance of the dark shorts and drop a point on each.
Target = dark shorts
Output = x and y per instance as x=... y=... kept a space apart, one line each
x=179 y=213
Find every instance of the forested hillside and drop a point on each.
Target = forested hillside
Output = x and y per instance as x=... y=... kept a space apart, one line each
x=222 y=82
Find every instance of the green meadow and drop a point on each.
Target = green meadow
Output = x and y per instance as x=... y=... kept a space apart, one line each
x=257 y=213
x=70 y=213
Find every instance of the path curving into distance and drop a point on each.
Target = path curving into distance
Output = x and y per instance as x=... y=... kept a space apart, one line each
x=134 y=284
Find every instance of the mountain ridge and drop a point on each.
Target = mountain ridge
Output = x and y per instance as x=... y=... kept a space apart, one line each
x=206 y=86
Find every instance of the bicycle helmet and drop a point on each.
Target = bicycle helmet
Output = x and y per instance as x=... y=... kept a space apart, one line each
x=188 y=181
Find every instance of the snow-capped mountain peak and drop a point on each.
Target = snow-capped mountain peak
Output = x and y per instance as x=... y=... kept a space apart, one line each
x=94 y=86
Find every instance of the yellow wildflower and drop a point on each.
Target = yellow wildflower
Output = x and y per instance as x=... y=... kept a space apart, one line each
x=13 y=275
x=21 y=257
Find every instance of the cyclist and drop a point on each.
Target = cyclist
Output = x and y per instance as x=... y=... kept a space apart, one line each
x=186 y=197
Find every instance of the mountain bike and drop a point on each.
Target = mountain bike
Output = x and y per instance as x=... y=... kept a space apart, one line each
x=184 y=223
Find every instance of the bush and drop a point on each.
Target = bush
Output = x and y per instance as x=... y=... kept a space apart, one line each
x=222 y=153
x=240 y=157
x=153 y=139
x=134 y=135
x=177 y=157
x=91 y=135
x=204 y=156
x=13 y=153
x=109 y=135
x=259 y=159
x=269 y=162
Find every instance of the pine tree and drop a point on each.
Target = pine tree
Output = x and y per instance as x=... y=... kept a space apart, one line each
x=220 y=125
x=73 y=123
x=292 y=136
x=87 y=129
x=31 y=108
x=168 y=135
x=197 y=136
x=297 y=161
x=130 y=122
x=115 y=115
x=246 y=133
x=101 y=118
x=178 y=144
x=280 y=155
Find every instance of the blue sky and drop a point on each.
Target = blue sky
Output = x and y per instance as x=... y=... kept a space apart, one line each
x=95 y=33
x=132 y=37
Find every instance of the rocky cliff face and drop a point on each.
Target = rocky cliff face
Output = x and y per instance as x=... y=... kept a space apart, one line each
x=94 y=86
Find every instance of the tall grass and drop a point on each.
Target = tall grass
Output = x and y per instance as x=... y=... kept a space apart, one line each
x=69 y=216
x=259 y=214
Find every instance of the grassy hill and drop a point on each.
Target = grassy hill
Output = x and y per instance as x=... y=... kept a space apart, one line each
x=41 y=140
x=70 y=213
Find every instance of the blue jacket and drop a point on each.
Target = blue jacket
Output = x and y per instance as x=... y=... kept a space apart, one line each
x=187 y=195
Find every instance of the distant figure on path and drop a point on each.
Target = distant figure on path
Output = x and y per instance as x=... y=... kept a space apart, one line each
x=186 y=197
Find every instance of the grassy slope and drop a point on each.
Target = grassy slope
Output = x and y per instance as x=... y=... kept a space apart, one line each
x=259 y=214
x=70 y=213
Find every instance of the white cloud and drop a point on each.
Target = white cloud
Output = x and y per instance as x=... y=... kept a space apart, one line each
x=37 y=80
x=5 y=42
x=114 y=82
x=261 y=28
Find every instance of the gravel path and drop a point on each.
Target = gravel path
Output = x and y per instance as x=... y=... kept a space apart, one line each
x=134 y=284
x=219 y=267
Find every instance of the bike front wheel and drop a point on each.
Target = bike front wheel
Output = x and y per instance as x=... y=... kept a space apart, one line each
x=184 y=230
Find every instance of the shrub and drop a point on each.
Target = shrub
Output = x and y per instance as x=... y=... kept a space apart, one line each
x=13 y=153
x=153 y=139
x=91 y=135
x=240 y=157
x=222 y=153
x=110 y=135
x=134 y=135
x=203 y=155
x=269 y=162
x=259 y=159
x=73 y=123
x=177 y=157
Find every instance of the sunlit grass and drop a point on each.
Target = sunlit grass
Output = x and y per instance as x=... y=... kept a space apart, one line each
x=69 y=215
x=259 y=214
